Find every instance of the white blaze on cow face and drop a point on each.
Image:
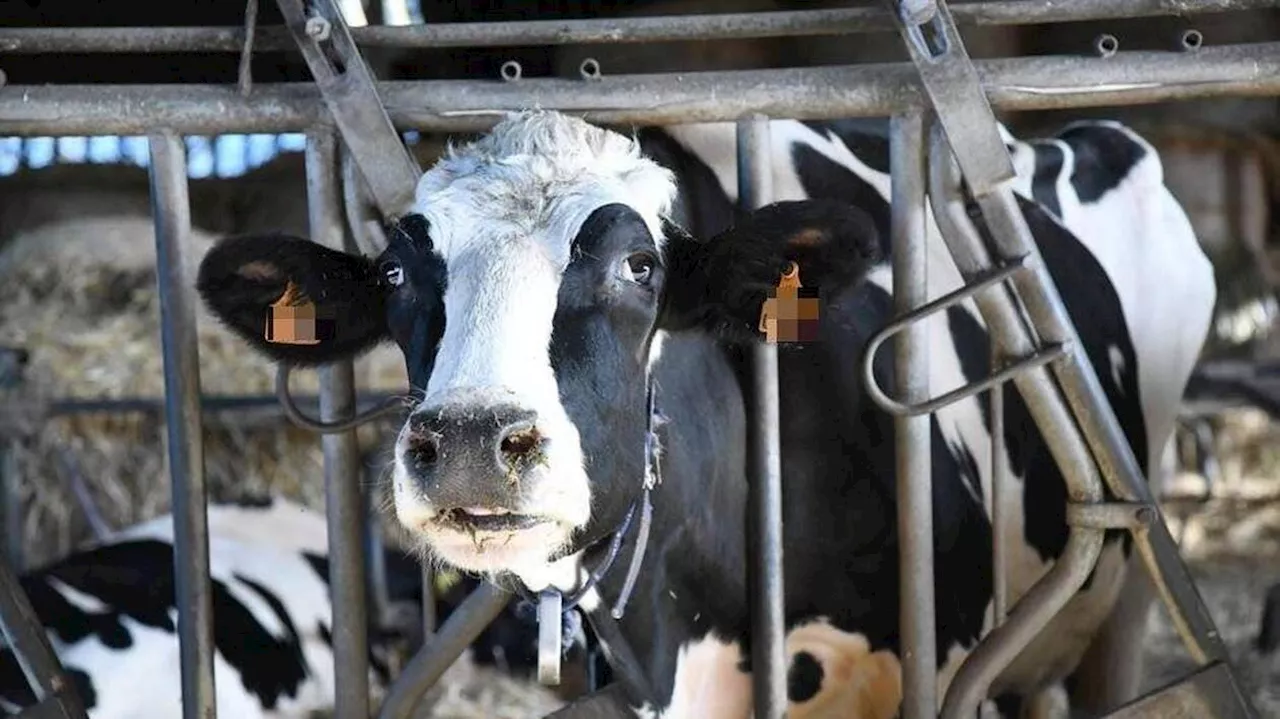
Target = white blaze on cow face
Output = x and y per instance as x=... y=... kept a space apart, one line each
x=503 y=214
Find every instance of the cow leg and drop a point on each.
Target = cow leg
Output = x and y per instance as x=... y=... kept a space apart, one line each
x=1048 y=703
x=1110 y=672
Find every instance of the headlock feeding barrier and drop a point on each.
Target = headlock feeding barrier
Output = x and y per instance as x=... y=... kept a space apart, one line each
x=943 y=131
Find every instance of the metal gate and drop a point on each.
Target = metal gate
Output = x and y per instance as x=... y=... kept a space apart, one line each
x=942 y=129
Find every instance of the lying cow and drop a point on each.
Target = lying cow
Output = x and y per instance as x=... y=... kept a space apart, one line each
x=110 y=614
x=554 y=273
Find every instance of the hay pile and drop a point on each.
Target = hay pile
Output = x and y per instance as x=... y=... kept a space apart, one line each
x=80 y=295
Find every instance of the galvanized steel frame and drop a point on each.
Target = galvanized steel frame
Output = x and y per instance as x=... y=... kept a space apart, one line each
x=865 y=90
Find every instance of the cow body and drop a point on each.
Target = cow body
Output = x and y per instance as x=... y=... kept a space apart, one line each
x=552 y=276
x=110 y=615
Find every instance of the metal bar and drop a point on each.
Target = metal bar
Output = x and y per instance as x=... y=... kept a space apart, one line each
x=429 y=618
x=429 y=664
x=172 y=212
x=50 y=708
x=351 y=96
x=11 y=515
x=376 y=587
x=768 y=629
x=343 y=505
x=958 y=98
x=871 y=90
x=918 y=643
x=620 y=656
x=1207 y=692
x=1039 y=604
x=999 y=487
x=31 y=649
x=720 y=26
x=1101 y=430
x=208 y=403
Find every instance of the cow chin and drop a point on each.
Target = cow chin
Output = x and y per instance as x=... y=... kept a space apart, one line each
x=543 y=525
x=495 y=552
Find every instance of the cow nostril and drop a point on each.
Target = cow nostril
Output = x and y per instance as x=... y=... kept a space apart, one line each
x=523 y=443
x=423 y=449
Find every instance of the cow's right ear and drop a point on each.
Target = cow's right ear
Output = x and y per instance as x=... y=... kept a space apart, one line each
x=242 y=277
x=720 y=285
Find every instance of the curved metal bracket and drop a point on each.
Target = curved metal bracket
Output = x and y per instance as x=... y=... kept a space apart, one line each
x=298 y=417
x=988 y=279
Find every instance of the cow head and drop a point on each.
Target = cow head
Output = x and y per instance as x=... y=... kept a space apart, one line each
x=530 y=293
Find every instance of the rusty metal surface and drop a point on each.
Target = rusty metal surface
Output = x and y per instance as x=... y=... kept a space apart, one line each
x=719 y=26
x=879 y=90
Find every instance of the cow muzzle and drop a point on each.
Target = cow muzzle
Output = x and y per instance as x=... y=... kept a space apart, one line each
x=480 y=476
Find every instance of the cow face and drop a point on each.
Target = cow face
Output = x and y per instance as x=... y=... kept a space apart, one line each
x=529 y=294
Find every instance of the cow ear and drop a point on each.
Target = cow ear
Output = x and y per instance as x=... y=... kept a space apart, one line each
x=720 y=285
x=241 y=278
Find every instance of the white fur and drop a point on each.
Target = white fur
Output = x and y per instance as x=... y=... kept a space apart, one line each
x=503 y=213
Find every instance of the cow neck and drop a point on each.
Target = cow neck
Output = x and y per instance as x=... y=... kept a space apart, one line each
x=652 y=478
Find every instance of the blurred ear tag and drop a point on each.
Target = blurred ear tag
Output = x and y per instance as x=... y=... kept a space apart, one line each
x=291 y=320
x=787 y=304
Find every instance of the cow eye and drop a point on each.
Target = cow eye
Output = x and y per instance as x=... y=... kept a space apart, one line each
x=393 y=272
x=638 y=268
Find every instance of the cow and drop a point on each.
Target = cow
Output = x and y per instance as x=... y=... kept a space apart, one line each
x=110 y=615
x=575 y=305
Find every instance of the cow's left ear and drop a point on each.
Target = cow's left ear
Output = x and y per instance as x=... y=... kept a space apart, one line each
x=720 y=285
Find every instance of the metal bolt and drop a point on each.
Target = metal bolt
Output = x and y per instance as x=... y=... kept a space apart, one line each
x=317 y=28
x=511 y=71
x=917 y=12
x=589 y=69
x=1106 y=45
x=1145 y=516
x=1190 y=40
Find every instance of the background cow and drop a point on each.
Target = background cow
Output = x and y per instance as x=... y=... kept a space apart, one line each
x=110 y=613
x=552 y=276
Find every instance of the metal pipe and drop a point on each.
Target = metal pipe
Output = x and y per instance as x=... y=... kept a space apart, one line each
x=466 y=622
x=999 y=487
x=1102 y=432
x=916 y=617
x=172 y=211
x=12 y=514
x=55 y=697
x=765 y=555
x=1035 y=83
x=343 y=505
x=1030 y=616
x=720 y=26
x=208 y=403
x=1004 y=323
x=376 y=587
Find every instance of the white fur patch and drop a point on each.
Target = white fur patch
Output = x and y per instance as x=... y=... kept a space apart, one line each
x=855 y=682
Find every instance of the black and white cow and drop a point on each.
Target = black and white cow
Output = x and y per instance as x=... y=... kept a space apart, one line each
x=554 y=270
x=110 y=614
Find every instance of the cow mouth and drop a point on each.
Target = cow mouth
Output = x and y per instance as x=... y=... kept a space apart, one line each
x=472 y=520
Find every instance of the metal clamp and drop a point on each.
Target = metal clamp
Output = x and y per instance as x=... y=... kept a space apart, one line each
x=347 y=85
x=987 y=280
x=300 y=418
x=1111 y=515
x=952 y=84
